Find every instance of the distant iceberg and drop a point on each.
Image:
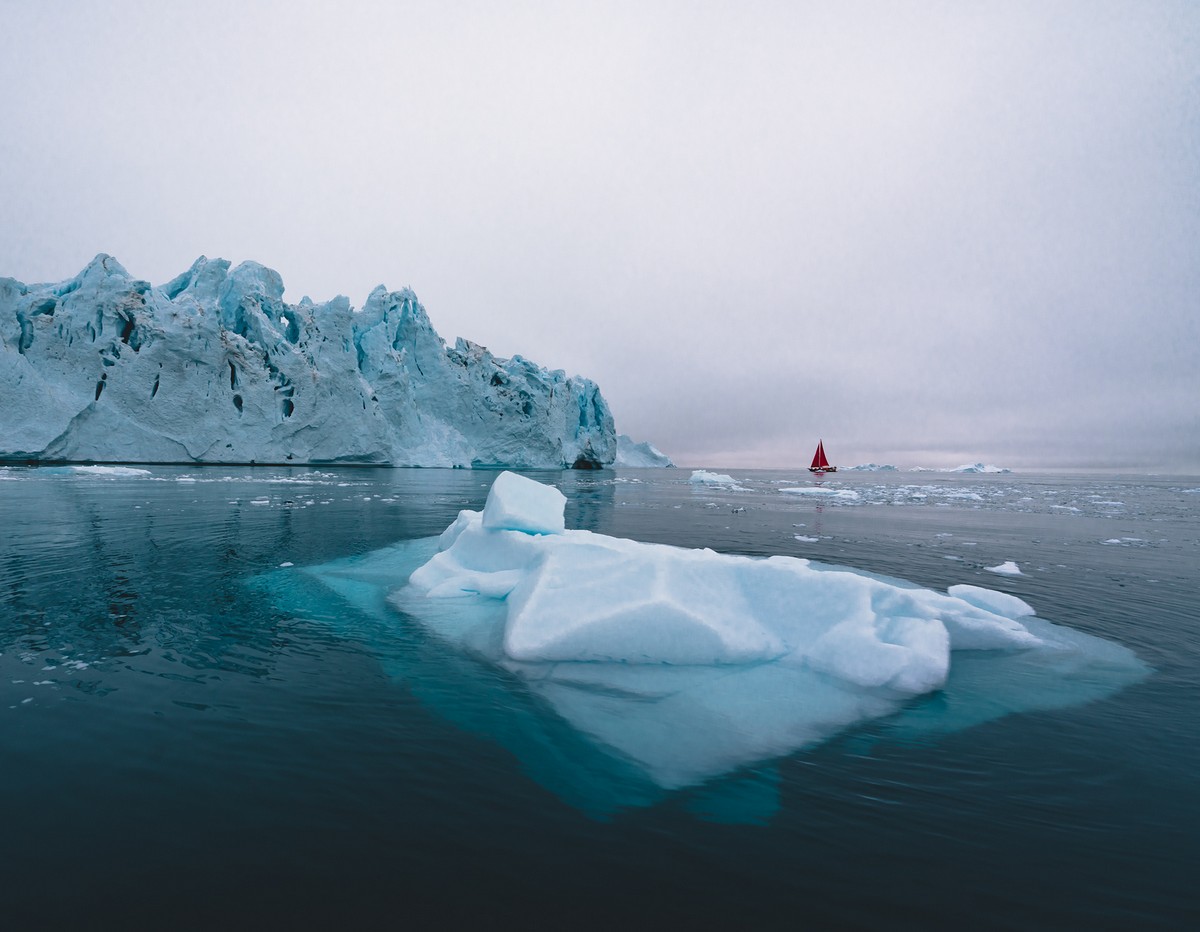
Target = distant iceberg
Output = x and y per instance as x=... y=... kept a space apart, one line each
x=869 y=467
x=703 y=477
x=634 y=455
x=214 y=367
x=969 y=468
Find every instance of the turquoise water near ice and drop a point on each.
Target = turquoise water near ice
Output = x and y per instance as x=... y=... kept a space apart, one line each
x=193 y=736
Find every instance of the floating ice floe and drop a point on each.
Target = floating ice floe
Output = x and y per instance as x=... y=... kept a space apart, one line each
x=1007 y=568
x=109 y=472
x=703 y=477
x=848 y=495
x=632 y=669
x=968 y=468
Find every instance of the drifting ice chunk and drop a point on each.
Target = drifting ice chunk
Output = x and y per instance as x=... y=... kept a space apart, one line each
x=843 y=494
x=704 y=477
x=519 y=504
x=1007 y=568
x=667 y=667
x=690 y=663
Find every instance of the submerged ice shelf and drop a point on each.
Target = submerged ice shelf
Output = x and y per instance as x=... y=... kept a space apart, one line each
x=667 y=667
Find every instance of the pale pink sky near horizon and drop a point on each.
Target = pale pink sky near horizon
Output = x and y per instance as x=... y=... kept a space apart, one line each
x=930 y=233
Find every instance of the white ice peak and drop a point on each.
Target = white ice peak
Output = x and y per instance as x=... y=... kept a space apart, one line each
x=215 y=367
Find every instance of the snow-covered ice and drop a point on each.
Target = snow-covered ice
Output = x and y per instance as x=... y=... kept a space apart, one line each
x=1007 y=568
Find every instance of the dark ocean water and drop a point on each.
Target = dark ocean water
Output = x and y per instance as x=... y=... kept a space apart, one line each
x=192 y=738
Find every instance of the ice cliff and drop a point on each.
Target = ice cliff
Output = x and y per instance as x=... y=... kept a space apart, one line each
x=215 y=367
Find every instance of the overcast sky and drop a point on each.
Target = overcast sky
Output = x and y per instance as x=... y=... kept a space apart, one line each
x=931 y=233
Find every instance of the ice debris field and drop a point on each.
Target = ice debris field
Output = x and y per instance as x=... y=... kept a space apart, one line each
x=643 y=668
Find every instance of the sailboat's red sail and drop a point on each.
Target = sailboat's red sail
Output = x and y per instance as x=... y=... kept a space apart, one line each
x=819 y=460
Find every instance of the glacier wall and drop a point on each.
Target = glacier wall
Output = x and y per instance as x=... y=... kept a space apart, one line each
x=214 y=367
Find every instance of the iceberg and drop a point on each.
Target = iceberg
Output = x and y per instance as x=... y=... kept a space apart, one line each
x=634 y=455
x=214 y=367
x=969 y=468
x=980 y=468
x=618 y=672
x=719 y=480
x=688 y=664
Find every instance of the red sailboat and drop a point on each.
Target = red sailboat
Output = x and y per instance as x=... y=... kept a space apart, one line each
x=820 y=464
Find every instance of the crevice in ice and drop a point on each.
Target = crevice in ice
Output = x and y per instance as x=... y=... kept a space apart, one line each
x=128 y=336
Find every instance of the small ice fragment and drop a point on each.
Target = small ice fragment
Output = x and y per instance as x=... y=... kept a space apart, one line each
x=704 y=477
x=847 y=494
x=1007 y=568
x=287 y=563
x=805 y=540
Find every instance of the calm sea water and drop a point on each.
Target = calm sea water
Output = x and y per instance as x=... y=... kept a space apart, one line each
x=182 y=745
